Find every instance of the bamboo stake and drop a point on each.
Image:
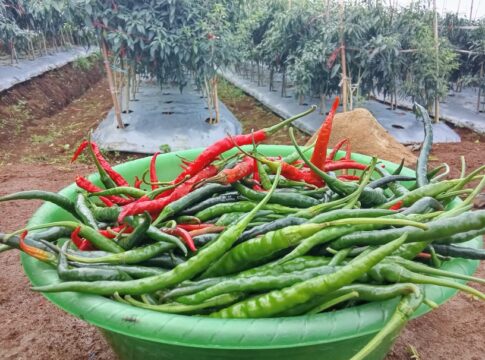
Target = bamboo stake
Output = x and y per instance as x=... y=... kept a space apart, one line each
x=44 y=43
x=436 y=44
x=127 y=88
x=209 y=98
x=342 y=57
x=112 y=90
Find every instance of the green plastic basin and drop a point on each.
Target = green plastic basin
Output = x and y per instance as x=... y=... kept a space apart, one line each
x=136 y=333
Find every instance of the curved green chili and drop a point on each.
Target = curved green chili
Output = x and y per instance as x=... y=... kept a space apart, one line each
x=55 y=198
x=286 y=199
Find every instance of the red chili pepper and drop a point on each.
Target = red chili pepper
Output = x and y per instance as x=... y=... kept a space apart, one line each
x=107 y=233
x=397 y=205
x=183 y=234
x=257 y=187
x=153 y=171
x=113 y=232
x=106 y=201
x=293 y=173
x=227 y=143
x=423 y=255
x=208 y=230
x=32 y=250
x=79 y=150
x=348 y=177
x=343 y=164
x=137 y=183
x=229 y=176
x=256 y=177
x=337 y=147
x=320 y=151
x=82 y=244
x=115 y=176
x=87 y=185
x=191 y=227
x=159 y=203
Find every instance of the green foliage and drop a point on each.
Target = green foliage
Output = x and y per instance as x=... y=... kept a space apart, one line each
x=388 y=50
x=424 y=83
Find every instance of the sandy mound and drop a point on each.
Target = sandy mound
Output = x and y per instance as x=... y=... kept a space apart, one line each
x=368 y=137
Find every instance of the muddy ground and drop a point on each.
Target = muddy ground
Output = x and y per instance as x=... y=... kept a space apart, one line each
x=34 y=149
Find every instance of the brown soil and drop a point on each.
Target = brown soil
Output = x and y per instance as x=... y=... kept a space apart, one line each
x=33 y=328
x=368 y=137
x=49 y=93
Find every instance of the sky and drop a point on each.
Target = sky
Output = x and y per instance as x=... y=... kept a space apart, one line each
x=463 y=6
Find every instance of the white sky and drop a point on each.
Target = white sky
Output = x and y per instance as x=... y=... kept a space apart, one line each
x=463 y=6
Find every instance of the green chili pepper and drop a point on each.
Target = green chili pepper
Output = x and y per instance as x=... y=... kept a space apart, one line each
x=437 y=229
x=188 y=200
x=86 y=274
x=366 y=293
x=177 y=308
x=339 y=257
x=138 y=233
x=398 y=273
x=270 y=226
x=350 y=213
x=231 y=196
x=335 y=300
x=404 y=310
x=4 y=247
x=424 y=269
x=423 y=205
x=271 y=269
x=134 y=271
x=263 y=176
x=286 y=199
x=121 y=190
x=168 y=261
x=278 y=301
x=242 y=206
x=261 y=249
x=256 y=284
x=108 y=214
x=396 y=188
x=84 y=212
x=460 y=251
x=13 y=242
x=58 y=199
x=134 y=256
x=343 y=227
x=157 y=235
x=431 y=190
x=86 y=232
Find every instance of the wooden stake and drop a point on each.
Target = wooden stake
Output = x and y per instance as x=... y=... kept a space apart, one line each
x=215 y=99
x=480 y=88
x=112 y=90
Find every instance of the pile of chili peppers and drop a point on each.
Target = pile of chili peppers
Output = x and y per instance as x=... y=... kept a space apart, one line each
x=243 y=235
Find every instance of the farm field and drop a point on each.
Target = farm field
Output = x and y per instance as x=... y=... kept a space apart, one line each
x=242 y=179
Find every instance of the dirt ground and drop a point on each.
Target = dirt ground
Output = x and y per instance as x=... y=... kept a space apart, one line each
x=36 y=158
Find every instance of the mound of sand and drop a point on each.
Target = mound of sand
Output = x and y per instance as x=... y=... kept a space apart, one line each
x=368 y=137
